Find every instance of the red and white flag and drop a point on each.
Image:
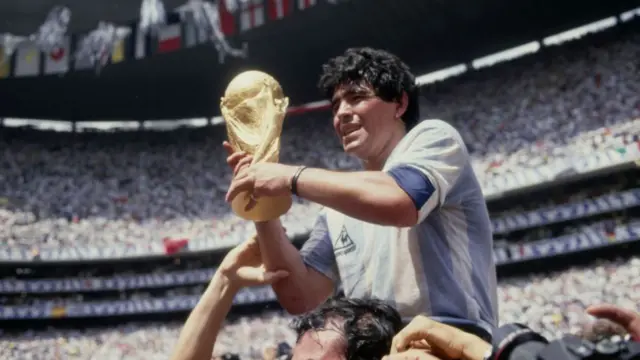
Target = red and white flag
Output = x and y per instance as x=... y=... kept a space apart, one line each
x=227 y=19
x=251 y=15
x=170 y=38
x=279 y=8
x=57 y=61
x=305 y=4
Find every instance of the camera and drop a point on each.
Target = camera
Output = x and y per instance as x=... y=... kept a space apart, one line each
x=518 y=342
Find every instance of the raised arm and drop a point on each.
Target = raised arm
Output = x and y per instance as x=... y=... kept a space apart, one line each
x=242 y=267
x=415 y=180
x=312 y=270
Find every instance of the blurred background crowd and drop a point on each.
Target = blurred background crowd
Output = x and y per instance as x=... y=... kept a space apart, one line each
x=101 y=189
x=142 y=188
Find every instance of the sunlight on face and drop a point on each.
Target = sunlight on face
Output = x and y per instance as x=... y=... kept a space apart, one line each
x=362 y=121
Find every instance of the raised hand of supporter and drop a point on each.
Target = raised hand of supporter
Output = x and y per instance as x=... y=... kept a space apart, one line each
x=243 y=266
x=411 y=354
x=627 y=318
x=443 y=341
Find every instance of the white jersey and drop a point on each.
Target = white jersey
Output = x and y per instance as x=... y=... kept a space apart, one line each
x=443 y=266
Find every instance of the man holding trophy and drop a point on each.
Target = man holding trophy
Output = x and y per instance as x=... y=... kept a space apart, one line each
x=412 y=228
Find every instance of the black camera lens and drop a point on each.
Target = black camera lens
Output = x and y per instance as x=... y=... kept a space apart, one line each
x=608 y=348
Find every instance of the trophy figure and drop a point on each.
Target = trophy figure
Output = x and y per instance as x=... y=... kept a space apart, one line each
x=254 y=107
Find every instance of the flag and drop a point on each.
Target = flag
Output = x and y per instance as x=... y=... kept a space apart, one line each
x=172 y=246
x=305 y=4
x=227 y=19
x=57 y=60
x=279 y=8
x=84 y=61
x=117 y=53
x=190 y=33
x=251 y=15
x=27 y=60
x=5 y=64
x=169 y=38
x=141 y=43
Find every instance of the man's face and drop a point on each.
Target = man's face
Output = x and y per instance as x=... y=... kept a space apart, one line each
x=363 y=122
x=327 y=344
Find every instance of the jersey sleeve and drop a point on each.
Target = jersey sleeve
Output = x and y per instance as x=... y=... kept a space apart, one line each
x=430 y=165
x=317 y=251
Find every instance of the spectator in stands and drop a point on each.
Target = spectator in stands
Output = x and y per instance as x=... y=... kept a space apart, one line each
x=341 y=328
x=414 y=222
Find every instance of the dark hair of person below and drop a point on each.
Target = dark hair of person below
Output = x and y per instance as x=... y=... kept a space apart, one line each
x=368 y=325
x=384 y=72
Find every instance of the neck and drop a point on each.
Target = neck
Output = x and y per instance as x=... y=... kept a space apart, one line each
x=377 y=163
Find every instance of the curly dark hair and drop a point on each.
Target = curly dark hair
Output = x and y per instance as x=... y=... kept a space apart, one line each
x=368 y=325
x=384 y=72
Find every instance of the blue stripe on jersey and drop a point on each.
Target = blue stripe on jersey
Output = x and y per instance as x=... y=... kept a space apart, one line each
x=446 y=296
x=415 y=183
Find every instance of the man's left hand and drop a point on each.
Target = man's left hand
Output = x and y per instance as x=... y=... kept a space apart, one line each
x=262 y=179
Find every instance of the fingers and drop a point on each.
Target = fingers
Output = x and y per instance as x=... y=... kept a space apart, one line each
x=270 y=277
x=249 y=276
x=227 y=146
x=441 y=338
x=253 y=201
x=243 y=162
x=626 y=318
x=239 y=186
x=416 y=330
x=412 y=354
x=233 y=159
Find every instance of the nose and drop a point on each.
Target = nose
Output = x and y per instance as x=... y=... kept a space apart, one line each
x=343 y=112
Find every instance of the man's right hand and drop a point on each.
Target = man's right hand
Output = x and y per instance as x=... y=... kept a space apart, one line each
x=237 y=160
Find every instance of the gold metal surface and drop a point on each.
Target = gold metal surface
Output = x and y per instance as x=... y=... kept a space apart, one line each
x=254 y=107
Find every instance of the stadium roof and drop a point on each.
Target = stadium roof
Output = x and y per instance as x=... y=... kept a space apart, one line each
x=428 y=34
x=22 y=17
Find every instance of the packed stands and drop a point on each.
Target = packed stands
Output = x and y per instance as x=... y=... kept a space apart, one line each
x=551 y=303
x=133 y=189
x=525 y=122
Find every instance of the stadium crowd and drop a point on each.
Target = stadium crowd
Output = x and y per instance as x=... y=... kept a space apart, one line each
x=553 y=304
x=101 y=189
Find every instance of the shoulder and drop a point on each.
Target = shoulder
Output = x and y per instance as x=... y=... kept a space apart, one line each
x=433 y=130
x=432 y=138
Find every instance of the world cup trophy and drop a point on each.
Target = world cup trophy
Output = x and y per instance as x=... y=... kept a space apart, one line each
x=254 y=107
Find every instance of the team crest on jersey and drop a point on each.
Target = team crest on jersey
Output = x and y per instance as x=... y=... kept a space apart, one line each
x=343 y=244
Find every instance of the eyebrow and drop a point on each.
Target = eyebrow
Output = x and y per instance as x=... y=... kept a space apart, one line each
x=351 y=90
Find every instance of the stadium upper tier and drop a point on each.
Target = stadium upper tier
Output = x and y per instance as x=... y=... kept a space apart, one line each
x=574 y=109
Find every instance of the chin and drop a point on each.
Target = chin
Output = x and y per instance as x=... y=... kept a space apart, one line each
x=355 y=150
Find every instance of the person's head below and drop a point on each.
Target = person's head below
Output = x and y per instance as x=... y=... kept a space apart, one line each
x=347 y=329
x=374 y=100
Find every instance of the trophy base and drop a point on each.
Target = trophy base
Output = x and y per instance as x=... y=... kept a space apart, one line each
x=267 y=208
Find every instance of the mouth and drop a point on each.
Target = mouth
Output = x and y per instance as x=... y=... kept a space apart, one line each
x=350 y=131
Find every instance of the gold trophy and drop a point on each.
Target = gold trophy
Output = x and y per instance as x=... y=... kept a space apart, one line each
x=254 y=107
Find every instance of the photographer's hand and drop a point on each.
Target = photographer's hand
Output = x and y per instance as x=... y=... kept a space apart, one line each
x=626 y=318
x=412 y=354
x=444 y=340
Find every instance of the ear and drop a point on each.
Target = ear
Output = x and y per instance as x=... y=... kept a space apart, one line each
x=402 y=105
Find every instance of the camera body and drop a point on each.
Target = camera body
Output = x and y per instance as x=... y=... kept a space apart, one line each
x=518 y=342
x=573 y=347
